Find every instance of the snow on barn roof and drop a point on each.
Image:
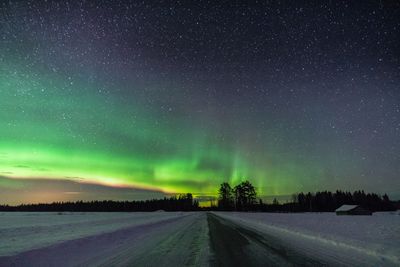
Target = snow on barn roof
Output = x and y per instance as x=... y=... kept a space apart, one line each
x=346 y=207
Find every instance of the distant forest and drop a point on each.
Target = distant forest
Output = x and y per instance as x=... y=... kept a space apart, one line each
x=242 y=197
x=176 y=203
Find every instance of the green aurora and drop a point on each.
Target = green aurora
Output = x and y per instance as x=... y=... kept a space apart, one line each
x=54 y=128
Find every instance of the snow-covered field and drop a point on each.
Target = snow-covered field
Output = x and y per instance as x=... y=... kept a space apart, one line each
x=183 y=239
x=366 y=240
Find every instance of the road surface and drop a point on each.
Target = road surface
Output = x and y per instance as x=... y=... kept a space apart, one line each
x=183 y=239
x=233 y=245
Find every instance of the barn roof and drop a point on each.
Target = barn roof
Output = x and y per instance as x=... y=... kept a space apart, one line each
x=346 y=207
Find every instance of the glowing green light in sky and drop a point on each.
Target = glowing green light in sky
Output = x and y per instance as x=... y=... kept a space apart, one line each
x=59 y=128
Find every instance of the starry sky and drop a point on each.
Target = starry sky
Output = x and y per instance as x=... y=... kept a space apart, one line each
x=134 y=100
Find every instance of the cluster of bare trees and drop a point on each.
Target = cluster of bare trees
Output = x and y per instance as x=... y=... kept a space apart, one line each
x=241 y=197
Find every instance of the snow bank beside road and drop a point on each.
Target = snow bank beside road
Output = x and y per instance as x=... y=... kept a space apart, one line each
x=367 y=240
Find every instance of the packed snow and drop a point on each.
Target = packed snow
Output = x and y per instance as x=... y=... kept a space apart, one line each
x=22 y=231
x=104 y=239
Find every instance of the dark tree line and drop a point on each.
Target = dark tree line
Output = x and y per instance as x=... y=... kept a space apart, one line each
x=176 y=203
x=328 y=201
x=243 y=198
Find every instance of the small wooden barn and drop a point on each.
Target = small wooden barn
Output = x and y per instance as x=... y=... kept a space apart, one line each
x=352 y=210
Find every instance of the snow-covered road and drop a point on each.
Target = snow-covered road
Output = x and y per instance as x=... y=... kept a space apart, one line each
x=198 y=239
x=179 y=240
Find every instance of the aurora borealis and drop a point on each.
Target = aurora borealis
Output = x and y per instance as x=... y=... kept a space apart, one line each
x=178 y=98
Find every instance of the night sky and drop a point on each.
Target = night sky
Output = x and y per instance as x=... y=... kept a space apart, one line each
x=125 y=100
